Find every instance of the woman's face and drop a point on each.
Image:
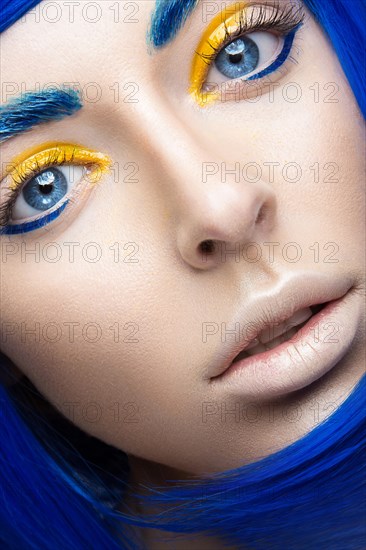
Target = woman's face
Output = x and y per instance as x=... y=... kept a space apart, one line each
x=120 y=316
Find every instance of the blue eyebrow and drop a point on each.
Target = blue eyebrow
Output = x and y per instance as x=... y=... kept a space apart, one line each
x=33 y=108
x=167 y=18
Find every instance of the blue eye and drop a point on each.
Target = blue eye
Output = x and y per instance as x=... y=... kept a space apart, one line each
x=251 y=56
x=45 y=190
x=16 y=229
x=238 y=58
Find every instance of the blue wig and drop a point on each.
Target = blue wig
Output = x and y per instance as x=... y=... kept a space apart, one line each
x=63 y=489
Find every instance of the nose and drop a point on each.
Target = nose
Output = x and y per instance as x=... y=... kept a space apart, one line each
x=216 y=210
x=213 y=210
x=218 y=218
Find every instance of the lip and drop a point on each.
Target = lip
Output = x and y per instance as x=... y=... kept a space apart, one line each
x=315 y=349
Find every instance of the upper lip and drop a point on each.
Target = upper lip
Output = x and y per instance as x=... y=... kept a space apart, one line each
x=275 y=307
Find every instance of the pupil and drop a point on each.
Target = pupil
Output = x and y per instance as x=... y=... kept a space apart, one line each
x=46 y=188
x=45 y=182
x=236 y=58
x=235 y=51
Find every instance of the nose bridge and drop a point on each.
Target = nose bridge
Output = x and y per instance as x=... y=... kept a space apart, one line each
x=189 y=169
x=165 y=138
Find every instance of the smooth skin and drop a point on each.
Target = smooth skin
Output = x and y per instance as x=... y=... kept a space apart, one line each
x=149 y=397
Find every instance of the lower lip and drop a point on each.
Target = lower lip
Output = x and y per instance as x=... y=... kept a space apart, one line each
x=313 y=351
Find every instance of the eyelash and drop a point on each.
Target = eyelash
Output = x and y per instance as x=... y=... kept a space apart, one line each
x=21 y=180
x=281 y=21
x=285 y=21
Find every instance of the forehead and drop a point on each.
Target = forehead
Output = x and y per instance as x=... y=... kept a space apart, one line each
x=103 y=48
x=168 y=15
x=98 y=50
x=75 y=40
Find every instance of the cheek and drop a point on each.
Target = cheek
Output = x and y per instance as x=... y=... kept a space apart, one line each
x=100 y=340
x=98 y=337
x=333 y=195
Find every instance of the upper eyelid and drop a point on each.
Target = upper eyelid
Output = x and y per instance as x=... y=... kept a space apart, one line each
x=245 y=26
x=72 y=153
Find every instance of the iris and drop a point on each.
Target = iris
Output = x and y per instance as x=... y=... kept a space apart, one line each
x=46 y=189
x=238 y=58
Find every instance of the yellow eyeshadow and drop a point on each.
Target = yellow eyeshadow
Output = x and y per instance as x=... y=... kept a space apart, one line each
x=31 y=161
x=225 y=22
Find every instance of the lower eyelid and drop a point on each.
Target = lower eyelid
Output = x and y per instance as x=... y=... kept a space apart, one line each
x=71 y=204
x=280 y=59
x=26 y=227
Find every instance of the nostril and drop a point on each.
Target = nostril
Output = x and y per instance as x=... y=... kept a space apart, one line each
x=207 y=247
x=261 y=214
